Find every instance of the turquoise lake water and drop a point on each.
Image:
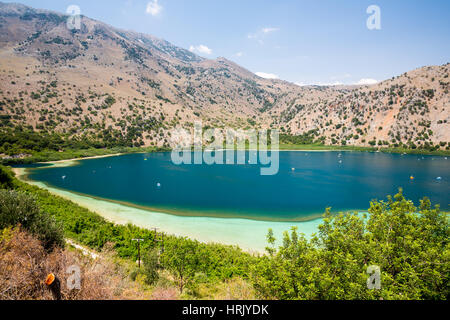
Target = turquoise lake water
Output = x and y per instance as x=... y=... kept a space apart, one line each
x=306 y=184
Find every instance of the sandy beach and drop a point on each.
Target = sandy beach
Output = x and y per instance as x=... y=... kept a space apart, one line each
x=67 y=162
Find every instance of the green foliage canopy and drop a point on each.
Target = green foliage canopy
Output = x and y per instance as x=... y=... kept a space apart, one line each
x=409 y=244
x=18 y=208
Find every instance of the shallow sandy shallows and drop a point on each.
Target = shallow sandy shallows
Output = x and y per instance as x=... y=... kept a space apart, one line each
x=71 y=162
x=250 y=235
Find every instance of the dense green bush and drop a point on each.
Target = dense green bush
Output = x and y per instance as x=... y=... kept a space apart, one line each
x=151 y=265
x=6 y=178
x=181 y=260
x=309 y=137
x=409 y=245
x=18 y=208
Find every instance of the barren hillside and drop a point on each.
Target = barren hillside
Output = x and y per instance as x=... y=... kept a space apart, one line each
x=108 y=84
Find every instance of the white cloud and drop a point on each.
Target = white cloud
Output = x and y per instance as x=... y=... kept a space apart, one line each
x=262 y=33
x=361 y=82
x=200 y=49
x=338 y=81
x=267 y=75
x=269 y=30
x=366 y=82
x=153 y=8
x=239 y=54
x=330 y=84
x=323 y=84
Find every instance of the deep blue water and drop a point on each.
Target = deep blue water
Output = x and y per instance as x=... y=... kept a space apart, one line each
x=320 y=180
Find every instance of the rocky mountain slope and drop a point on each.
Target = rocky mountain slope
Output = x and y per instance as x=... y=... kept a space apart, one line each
x=412 y=109
x=104 y=83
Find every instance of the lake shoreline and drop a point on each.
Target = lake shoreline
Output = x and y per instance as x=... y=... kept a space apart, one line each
x=181 y=212
x=99 y=153
x=247 y=234
x=84 y=158
x=235 y=229
x=72 y=160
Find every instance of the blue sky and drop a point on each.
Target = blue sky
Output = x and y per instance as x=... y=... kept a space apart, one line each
x=306 y=42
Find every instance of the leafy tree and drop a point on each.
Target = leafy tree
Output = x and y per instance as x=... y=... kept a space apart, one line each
x=18 y=208
x=6 y=178
x=181 y=260
x=410 y=246
x=151 y=265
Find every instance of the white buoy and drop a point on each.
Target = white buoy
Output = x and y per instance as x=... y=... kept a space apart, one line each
x=63 y=177
x=158 y=185
x=439 y=178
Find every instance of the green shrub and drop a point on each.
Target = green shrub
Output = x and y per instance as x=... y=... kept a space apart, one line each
x=181 y=260
x=151 y=265
x=18 y=208
x=6 y=178
x=409 y=245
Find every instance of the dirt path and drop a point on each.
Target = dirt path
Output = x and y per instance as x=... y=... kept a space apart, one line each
x=84 y=250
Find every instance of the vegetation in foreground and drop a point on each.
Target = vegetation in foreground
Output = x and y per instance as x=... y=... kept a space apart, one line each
x=25 y=263
x=410 y=245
